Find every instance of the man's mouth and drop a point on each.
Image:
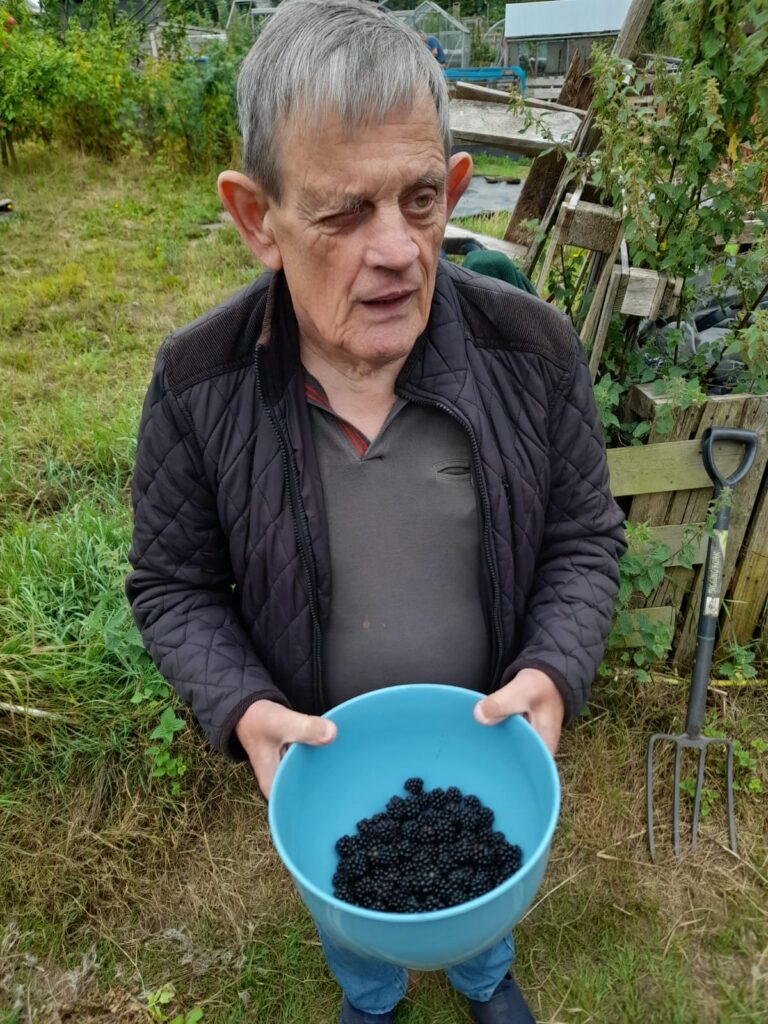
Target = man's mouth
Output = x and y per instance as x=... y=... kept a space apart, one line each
x=390 y=300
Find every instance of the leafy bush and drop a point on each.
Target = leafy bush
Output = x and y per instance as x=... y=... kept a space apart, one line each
x=684 y=155
x=30 y=72
x=93 y=89
x=99 y=91
x=188 y=108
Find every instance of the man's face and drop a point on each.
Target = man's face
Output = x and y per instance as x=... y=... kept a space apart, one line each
x=359 y=228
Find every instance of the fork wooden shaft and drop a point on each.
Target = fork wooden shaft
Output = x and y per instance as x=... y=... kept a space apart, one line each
x=708 y=614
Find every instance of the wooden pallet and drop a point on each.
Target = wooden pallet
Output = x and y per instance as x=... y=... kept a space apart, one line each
x=669 y=488
x=598 y=230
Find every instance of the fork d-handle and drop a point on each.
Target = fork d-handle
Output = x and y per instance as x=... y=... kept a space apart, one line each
x=713 y=567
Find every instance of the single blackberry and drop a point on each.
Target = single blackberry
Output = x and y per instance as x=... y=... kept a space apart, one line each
x=444 y=831
x=396 y=808
x=414 y=786
x=345 y=845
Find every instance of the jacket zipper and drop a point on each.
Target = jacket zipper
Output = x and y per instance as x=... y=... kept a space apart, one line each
x=486 y=510
x=301 y=533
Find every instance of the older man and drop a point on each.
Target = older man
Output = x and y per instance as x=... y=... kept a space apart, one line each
x=370 y=466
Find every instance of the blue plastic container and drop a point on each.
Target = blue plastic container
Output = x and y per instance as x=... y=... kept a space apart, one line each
x=384 y=737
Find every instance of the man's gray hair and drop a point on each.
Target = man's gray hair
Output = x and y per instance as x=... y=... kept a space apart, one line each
x=321 y=57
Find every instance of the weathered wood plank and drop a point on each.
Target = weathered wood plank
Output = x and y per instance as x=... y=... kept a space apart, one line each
x=673 y=466
x=753 y=415
x=644 y=401
x=653 y=508
x=594 y=227
x=564 y=217
x=470 y=91
x=682 y=587
x=749 y=592
x=602 y=267
x=634 y=22
x=749 y=229
x=545 y=171
x=553 y=105
x=604 y=322
x=691 y=506
x=641 y=293
x=459 y=90
x=495 y=125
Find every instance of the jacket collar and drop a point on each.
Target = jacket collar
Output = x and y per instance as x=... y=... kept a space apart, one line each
x=278 y=342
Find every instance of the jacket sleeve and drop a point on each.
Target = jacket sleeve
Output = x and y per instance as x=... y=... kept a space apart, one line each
x=570 y=609
x=180 y=589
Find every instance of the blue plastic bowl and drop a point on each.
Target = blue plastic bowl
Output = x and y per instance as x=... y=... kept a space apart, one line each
x=426 y=730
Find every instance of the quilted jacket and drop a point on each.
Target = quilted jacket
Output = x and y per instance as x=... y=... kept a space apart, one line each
x=231 y=582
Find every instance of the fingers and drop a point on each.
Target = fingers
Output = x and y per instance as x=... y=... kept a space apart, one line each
x=532 y=694
x=265 y=756
x=500 y=705
x=267 y=721
x=307 y=729
x=267 y=729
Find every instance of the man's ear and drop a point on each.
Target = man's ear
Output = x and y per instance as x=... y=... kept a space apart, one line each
x=459 y=176
x=248 y=205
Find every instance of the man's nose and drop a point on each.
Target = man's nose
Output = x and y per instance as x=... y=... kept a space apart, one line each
x=391 y=243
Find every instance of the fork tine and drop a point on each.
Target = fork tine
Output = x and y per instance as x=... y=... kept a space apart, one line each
x=676 y=802
x=729 y=797
x=697 y=797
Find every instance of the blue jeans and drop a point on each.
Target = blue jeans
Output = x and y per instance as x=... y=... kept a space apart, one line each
x=376 y=987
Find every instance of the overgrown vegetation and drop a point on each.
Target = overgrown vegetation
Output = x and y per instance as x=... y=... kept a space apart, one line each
x=94 y=89
x=683 y=154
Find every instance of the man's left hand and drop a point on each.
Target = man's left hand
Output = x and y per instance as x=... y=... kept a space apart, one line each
x=532 y=694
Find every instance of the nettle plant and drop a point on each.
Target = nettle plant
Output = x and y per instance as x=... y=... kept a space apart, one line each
x=683 y=154
x=636 y=640
x=748 y=768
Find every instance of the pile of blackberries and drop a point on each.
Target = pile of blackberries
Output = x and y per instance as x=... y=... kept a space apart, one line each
x=429 y=850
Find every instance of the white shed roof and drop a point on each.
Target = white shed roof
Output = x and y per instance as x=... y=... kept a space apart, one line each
x=552 y=19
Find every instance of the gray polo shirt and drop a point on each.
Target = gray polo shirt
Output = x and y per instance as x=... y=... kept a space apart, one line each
x=405 y=546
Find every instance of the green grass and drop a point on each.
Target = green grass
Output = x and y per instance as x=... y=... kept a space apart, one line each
x=111 y=884
x=501 y=166
x=493 y=224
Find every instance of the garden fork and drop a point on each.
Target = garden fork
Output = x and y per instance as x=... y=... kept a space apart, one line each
x=705 y=643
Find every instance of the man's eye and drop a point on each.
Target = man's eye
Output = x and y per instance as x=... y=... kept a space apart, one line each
x=342 y=217
x=423 y=202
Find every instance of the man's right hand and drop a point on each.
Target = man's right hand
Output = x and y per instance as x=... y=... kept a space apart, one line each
x=265 y=731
